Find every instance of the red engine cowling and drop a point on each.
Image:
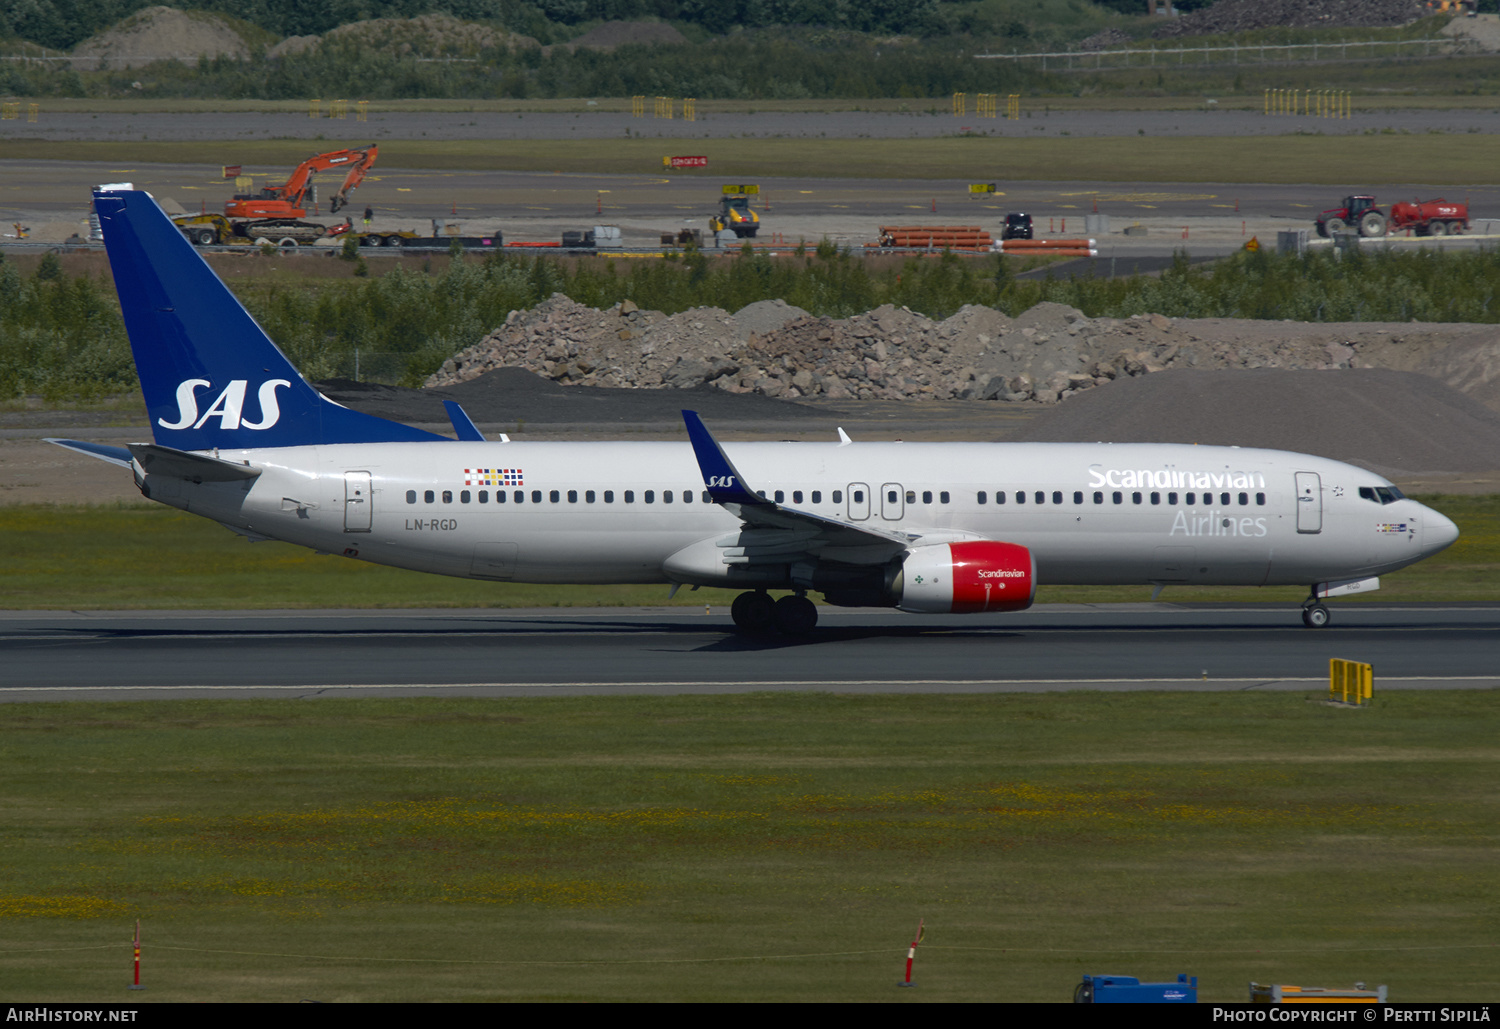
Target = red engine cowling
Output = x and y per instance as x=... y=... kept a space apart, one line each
x=964 y=578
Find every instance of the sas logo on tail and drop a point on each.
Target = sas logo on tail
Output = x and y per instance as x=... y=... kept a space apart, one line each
x=720 y=482
x=228 y=407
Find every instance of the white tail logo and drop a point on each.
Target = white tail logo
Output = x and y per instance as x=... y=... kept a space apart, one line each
x=228 y=407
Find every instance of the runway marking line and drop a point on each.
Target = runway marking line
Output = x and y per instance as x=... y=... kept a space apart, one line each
x=1386 y=681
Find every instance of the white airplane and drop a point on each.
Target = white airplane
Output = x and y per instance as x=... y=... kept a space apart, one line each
x=240 y=437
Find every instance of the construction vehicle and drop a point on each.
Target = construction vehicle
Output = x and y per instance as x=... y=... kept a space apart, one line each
x=1361 y=214
x=736 y=216
x=276 y=212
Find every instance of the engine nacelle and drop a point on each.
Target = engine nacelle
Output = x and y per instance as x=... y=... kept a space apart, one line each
x=965 y=578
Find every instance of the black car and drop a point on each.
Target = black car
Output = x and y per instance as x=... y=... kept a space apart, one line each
x=1017 y=226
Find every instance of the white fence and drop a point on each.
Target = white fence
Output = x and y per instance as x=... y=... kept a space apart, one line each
x=1080 y=60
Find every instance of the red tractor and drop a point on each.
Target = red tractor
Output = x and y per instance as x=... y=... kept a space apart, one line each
x=1428 y=218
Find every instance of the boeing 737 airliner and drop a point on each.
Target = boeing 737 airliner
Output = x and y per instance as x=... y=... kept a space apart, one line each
x=242 y=438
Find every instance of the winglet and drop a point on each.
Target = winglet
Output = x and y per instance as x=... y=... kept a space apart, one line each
x=462 y=423
x=723 y=481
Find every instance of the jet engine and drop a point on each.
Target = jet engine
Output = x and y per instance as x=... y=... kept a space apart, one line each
x=966 y=578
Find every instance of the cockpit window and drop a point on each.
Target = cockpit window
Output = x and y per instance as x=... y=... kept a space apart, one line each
x=1381 y=494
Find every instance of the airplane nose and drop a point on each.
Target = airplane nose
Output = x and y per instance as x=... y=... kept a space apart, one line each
x=1438 y=532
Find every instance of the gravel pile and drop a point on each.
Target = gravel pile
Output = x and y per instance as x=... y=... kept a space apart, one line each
x=1047 y=354
x=1396 y=423
x=161 y=32
x=1228 y=16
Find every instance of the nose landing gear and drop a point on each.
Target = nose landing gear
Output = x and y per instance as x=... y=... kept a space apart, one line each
x=1315 y=614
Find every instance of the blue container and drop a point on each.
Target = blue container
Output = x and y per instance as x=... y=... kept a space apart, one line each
x=1126 y=989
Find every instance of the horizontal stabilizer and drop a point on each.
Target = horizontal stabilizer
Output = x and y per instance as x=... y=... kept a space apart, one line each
x=114 y=455
x=155 y=459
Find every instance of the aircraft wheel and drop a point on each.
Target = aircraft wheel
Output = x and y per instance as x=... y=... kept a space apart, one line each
x=796 y=616
x=753 y=612
x=1315 y=617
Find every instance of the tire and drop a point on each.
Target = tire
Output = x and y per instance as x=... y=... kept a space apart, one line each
x=1315 y=617
x=205 y=237
x=1438 y=228
x=1333 y=226
x=753 y=613
x=1372 y=225
x=1455 y=228
x=795 y=616
x=286 y=241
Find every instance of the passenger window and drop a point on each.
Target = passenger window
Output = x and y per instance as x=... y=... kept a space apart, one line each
x=926 y=497
x=1244 y=499
x=1156 y=498
x=707 y=499
x=838 y=496
x=890 y=496
x=429 y=497
x=447 y=496
x=572 y=496
x=761 y=493
x=943 y=497
x=609 y=496
x=1078 y=496
x=1189 y=498
x=1098 y=497
x=796 y=496
x=519 y=496
x=650 y=496
x=687 y=496
x=1057 y=496
x=1041 y=498
x=555 y=497
x=1020 y=496
x=1172 y=499
x=1118 y=497
x=979 y=497
x=536 y=496
x=484 y=496
x=1260 y=499
x=999 y=496
x=666 y=496
x=817 y=496
x=411 y=496
x=859 y=496
x=588 y=497
x=464 y=497
x=781 y=496
x=1135 y=498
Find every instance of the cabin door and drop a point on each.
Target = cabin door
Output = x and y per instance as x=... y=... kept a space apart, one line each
x=1309 y=502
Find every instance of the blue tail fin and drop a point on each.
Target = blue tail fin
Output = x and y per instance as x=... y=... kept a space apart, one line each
x=210 y=374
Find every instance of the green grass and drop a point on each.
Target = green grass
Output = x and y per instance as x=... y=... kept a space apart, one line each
x=747 y=847
x=1438 y=159
x=149 y=556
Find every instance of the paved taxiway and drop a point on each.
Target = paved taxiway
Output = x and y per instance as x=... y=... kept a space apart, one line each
x=153 y=655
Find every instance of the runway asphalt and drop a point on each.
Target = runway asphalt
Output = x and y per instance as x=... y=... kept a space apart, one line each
x=67 y=655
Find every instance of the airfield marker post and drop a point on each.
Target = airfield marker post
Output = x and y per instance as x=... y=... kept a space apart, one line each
x=911 y=953
x=136 y=985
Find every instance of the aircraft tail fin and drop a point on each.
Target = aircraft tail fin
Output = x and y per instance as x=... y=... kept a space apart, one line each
x=210 y=374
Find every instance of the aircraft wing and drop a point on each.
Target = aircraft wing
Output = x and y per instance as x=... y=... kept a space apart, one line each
x=775 y=532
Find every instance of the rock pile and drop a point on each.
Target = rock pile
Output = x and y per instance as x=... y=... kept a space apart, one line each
x=772 y=349
x=1230 y=16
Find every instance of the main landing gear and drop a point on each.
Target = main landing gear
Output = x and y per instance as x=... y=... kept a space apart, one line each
x=756 y=614
x=1315 y=614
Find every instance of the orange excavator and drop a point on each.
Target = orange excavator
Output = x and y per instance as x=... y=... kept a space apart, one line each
x=276 y=212
x=287 y=200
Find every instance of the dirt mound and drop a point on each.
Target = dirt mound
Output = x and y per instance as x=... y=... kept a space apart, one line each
x=431 y=35
x=1050 y=353
x=1228 y=16
x=1395 y=423
x=508 y=396
x=161 y=33
x=626 y=33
